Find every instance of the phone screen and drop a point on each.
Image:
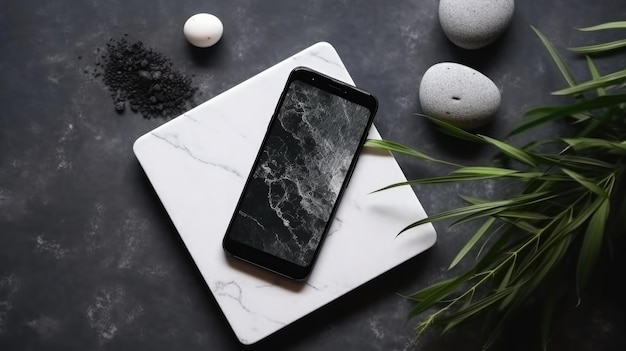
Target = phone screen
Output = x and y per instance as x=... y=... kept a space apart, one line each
x=309 y=150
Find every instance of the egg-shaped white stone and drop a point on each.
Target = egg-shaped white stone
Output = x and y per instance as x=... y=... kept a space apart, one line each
x=472 y=24
x=203 y=30
x=459 y=95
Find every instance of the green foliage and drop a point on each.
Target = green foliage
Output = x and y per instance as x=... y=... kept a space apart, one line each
x=564 y=213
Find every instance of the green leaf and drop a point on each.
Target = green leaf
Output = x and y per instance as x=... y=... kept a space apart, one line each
x=495 y=331
x=605 y=26
x=587 y=210
x=494 y=172
x=592 y=186
x=517 y=201
x=427 y=297
x=485 y=171
x=556 y=57
x=476 y=307
x=603 y=81
x=585 y=164
x=551 y=258
x=547 y=318
x=511 y=151
x=462 y=211
x=586 y=143
x=452 y=130
x=472 y=241
x=546 y=114
x=523 y=225
x=524 y=215
x=402 y=149
x=452 y=178
x=507 y=277
x=473 y=200
x=593 y=70
x=438 y=288
x=484 y=208
x=598 y=48
x=592 y=244
x=495 y=253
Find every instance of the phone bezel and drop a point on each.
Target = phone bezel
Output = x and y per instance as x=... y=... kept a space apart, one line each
x=261 y=258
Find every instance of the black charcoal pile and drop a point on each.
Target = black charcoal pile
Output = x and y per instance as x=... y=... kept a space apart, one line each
x=143 y=80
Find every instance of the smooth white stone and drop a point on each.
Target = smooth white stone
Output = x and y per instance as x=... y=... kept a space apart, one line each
x=472 y=24
x=459 y=95
x=198 y=164
x=203 y=30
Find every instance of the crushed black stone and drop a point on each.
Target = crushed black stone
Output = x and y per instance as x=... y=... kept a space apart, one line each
x=144 y=79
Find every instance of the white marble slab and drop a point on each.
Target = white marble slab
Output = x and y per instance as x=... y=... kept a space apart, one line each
x=198 y=163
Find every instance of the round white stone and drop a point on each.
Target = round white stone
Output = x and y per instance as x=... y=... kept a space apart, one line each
x=458 y=95
x=472 y=24
x=203 y=30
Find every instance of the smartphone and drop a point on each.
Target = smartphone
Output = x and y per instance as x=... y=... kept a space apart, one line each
x=305 y=161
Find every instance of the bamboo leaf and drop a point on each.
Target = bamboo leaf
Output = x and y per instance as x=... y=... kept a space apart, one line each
x=472 y=242
x=603 y=81
x=452 y=130
x=462 y=211
x=547 y=317
x=496 y=330
x=473 y=309
x=598 y=48
x=495 y=253
x=585 y=182
x=588 y=209
x=433 y=289
x=577 y=162
x=483 y=209
x=507 y=277
x=605 y=26
x=524 y=215
x=556 y=57
x=427 y=297
x=483 y=171
x=592 y=244
x=511 y=151
x=453 y=178
x=550 y=113
x=523 y=225
x=585 y=143
x=402 y=149
x=593 y=70
x=473 y=200
x=495 y=172
x=517 y=201
x=551 y=258
x=490 y=212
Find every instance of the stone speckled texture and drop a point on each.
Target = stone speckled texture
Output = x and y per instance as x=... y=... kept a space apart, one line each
x=459 y=95
x=473 y=24
x=88 y=257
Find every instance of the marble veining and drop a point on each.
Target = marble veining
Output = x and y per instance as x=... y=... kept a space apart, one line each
x=198 y=164
x=186 y=150
x=233 y=291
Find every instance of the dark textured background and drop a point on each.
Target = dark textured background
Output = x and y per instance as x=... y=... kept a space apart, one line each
x=88 y=257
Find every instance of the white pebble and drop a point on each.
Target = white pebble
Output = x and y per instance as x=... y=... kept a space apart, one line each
x=472 y=24
x=458 y=95
x=203 y=30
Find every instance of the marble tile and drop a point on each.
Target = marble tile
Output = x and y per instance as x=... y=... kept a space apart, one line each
x=198 y=164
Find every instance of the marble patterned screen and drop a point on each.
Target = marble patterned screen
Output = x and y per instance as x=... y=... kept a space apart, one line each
x=296 y=182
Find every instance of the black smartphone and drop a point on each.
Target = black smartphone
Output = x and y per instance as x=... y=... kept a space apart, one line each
x=305 y=161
